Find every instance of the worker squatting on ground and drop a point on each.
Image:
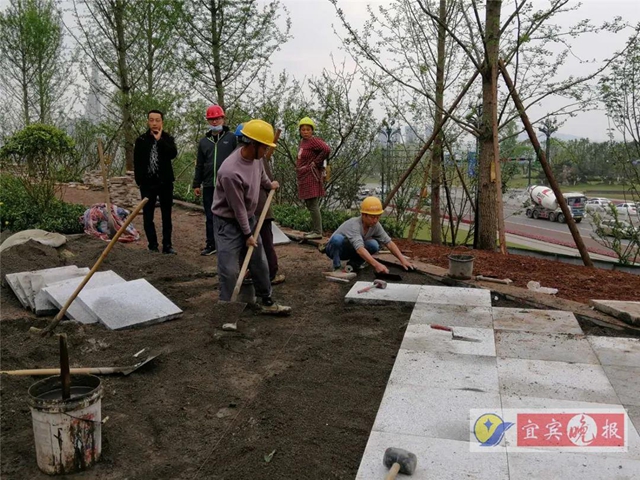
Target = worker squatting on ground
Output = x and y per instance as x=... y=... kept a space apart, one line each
x=152 y=155
x=213 y=149
x=266 y=232
x=310 y=172
x=234 y=205
x=357 y=239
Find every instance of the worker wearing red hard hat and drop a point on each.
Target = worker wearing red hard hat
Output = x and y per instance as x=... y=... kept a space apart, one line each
x=213 y=149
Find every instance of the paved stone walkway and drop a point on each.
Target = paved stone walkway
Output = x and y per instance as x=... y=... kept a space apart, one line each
x=522 y=359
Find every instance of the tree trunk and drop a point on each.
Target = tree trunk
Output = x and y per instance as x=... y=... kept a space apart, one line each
x=125 y=87
x=437 y=152
x=487 y=194
x=149 y=34
x=215 y=46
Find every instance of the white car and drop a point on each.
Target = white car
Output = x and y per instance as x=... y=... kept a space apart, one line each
x=619 y=229
x=597 y=205
x=628 y=208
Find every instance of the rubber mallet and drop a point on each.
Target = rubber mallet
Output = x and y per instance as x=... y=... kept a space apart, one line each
x=398 y=460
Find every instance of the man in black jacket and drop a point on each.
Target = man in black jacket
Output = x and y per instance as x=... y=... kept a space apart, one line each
x=153 y=170
x=213 y=149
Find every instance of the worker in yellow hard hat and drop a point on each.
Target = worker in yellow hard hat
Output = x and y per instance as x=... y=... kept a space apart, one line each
x=234 y=205
x=357 y=239
x=313 y=153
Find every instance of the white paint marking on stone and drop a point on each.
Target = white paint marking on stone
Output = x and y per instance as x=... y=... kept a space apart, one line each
x=129 y=304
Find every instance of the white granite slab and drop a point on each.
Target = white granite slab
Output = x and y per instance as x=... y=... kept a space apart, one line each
x=129 y=304
x=561 y=380
x=452 y=315
x=25 y=280
x=541 y=346
x=431 y=412
x=423 y=338
x=58 y=293
x=626 y=383
x=470 y=297
x=624 y=310
x=42 y=304
x=535 y=321
x=14 y=284
x=438 y=458
x=617 y=350
x=395 y=292
x=279 y=238
x=445 y=370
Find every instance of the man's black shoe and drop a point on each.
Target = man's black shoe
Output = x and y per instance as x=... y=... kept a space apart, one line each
x=154 y=250
x=169 y=251
x=208 y=251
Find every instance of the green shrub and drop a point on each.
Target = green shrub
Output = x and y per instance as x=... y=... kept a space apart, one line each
x=298 y=218
x=19 y=212
x=183 y=191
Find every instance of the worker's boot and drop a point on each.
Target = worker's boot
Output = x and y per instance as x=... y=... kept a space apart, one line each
x=312 y=236
x=278 y=279
x=269 y=307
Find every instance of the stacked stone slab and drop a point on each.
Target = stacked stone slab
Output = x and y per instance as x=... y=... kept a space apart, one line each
x=123 y=190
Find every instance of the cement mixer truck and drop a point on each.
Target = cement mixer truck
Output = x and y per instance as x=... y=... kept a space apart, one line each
x=545 y=204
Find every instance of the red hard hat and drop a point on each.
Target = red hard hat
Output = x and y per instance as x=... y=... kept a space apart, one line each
x=215 y=111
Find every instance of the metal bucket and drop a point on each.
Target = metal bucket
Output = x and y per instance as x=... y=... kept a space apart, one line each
x=68 y=433
x=461 y=266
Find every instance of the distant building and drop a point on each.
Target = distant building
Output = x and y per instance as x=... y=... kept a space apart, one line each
x=93 y=107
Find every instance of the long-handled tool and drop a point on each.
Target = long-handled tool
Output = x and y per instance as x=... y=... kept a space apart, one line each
x=111 y=224
x=454 y=336
x=114 y=240
x=398 y=460
x=233 y=308
x=65 y=375
x=82 y=370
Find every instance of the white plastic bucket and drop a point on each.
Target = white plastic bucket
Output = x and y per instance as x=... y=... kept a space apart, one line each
x=461 y=266
x=68 y=434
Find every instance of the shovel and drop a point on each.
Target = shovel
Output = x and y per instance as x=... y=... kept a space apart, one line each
x=84 y=370
x=233 y=308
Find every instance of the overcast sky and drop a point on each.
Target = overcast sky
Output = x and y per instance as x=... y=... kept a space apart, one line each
x=314 y=41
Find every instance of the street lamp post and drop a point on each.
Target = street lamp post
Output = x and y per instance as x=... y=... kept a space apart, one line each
x=548 y=128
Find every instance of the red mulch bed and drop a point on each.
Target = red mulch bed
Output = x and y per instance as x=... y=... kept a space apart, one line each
x=574 y=282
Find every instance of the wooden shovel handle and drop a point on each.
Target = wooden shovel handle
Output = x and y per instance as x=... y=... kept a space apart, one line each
x=247 y=258
x=56 y=371
x=105 y=183
x=114 y=240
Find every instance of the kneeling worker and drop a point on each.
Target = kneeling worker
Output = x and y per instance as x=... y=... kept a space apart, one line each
x=234 y=205
x=360 y=237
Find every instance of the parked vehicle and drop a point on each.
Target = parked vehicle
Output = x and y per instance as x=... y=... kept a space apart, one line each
x=545 y=204
x=618 y=229
x=628 y=208
x=597 y=205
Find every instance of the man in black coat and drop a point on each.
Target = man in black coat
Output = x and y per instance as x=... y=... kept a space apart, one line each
x=213 y=149
x=153 y=170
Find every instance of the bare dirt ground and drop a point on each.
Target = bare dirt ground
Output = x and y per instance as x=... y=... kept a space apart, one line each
x=215 y=403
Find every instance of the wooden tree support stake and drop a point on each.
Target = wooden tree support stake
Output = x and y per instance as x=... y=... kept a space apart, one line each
x=586 y=259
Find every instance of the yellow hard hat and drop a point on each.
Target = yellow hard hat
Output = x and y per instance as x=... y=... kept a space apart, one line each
x=306 y=121
x=259 y=131
x=371 y=206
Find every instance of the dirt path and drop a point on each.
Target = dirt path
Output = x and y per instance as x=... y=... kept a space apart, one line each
x=307 y=386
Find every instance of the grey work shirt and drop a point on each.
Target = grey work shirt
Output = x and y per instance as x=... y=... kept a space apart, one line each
x=353 y=230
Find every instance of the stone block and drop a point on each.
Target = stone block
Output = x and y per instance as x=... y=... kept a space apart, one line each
x=42 y=305
x=16 y=288
x=58 y=293
x=558 y=380
x=617 y=350
x=626 y=383
x=395 y=292
x=279 y=238
x=423 y=338
x=452 y=315
x=129 y=304
x=535 y=321
x=542 y=346
x=470 y=297
x=626 y=311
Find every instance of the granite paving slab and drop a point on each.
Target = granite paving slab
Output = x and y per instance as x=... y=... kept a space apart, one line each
x=445 y=370
x=535 y=321
x=423 y=338
x=16 y=288
x=24 y=278
x=561 y=380
x=626 y=383
x=279 y=238
x=58 y=293
x=541 y=346
x=129 y=304
x=452 y=315
x=617 y=350
x=624 y=310
x=395 y=292
x=438 y=458
x=470 y=297
x=42 y=304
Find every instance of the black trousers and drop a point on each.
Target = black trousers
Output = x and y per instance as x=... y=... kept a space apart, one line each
x=207 y=201
x=163 y=192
